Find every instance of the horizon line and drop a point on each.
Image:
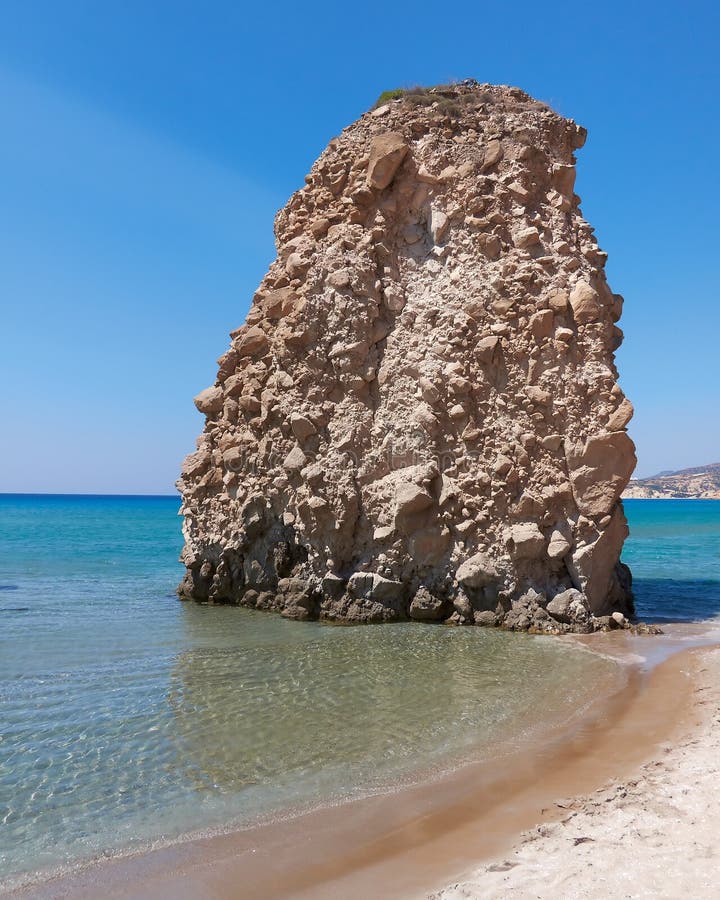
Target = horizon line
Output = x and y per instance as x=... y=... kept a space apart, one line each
x=79 y=494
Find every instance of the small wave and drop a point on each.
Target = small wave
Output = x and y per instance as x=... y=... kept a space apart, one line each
x=9 y=587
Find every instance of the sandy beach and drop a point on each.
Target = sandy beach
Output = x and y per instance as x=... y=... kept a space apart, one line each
x=650 y=834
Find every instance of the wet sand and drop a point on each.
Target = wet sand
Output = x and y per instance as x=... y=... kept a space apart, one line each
x=422 y=837
x=652 y=834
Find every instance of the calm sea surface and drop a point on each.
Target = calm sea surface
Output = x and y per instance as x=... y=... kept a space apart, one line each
x=128 y=717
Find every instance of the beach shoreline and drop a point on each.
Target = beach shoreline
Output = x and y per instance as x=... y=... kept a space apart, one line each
x=425 y=835
x=650 y=833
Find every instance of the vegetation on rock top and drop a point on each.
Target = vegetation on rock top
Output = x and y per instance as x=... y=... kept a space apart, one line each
x=445 y=96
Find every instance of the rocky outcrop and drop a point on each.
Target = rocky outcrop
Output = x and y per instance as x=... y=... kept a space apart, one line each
x=420 y=416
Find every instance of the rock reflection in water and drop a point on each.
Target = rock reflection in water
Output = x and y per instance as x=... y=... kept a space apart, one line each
x=308 y=709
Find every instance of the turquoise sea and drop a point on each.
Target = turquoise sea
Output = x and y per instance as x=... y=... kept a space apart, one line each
x=127 y=717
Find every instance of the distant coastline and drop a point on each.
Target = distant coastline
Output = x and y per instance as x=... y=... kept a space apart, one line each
x=631 y=494
x=699 y=483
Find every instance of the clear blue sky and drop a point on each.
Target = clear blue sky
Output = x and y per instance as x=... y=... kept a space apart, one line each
x=147 y=145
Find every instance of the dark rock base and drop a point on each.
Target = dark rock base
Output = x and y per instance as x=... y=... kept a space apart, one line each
x=367 y=598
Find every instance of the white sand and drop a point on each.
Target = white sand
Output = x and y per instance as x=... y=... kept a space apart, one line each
x=655 y=834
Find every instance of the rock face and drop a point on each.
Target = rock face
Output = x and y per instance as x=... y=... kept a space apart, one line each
x=421 y=416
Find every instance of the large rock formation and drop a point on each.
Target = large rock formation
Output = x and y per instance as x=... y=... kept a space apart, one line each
x=420 y=416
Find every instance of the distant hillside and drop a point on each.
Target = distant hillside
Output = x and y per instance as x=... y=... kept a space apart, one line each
x=699 y=482
x=697 y=470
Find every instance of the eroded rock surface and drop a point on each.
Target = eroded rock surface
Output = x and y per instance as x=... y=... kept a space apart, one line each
x=420 y=416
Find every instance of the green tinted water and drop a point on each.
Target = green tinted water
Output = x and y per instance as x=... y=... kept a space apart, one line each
x=127 y=717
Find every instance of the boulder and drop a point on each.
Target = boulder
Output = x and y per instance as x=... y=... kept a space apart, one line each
x=374 y=587
x=210 y=400
x=622 y=415
x=296 y=598
x=387 y=151
x=333 y=585
x=569 y=607
x=528 y=541
x=233 y=458
x=477 y=571
x=486 y=347
x=251 y=342
x=493 y=154
x=563 y=178
x=585 y=303
x=438 y=225
x=542 y=324
x=599 y=470
x=526 y=237
x=558 y=302
x=558 y=545
x=593 y=567
x=196 y=464
x=360 y=584
x=463 y=606
x=411 y=498
x=490 y=244
x=386 y=590
x=425 y=607
x=295 y=460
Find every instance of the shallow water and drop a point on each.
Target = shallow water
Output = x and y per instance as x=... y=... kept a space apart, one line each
x=126 y=716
